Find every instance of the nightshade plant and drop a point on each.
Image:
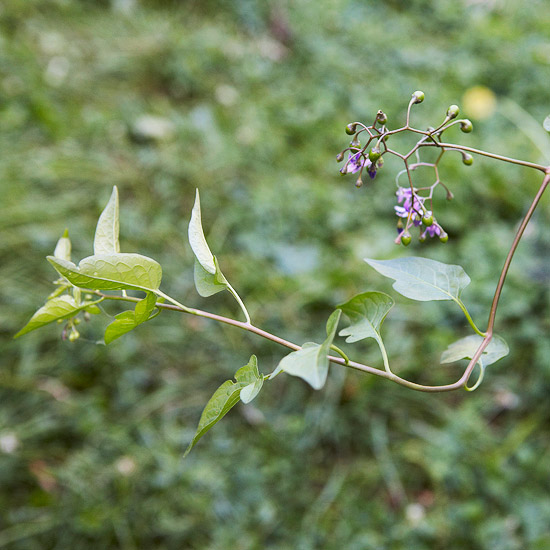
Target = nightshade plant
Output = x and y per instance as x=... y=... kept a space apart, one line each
x=108 y=274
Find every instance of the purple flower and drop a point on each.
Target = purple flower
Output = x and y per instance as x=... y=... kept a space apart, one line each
x=354 y=163
x=433 y=230
x=411 y=203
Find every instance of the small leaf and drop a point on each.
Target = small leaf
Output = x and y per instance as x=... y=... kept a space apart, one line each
x=422 y=279
x=207 y=283
x=106 y=233
x=250 y=376
x=465 y=348
x=128 y=320
x=366 y=312
x=311 y=362
x=226 y=397
x=197 y=239
x=63 y=247
x=111 y=272
x=61 y=307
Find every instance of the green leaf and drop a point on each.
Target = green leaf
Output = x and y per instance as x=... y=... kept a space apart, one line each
x=227 y=396
x=106 y=233
x=311 y=362
x=250 y=376
x=208 y=277
x=422 y=279
x=128 y=320
x=61 y=307
x=207 y=283
x=111 y=272
x=197 y=239
x=465 y=348
x=63 y=247
x=366 y=312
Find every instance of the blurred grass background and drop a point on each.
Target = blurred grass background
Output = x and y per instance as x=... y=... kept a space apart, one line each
x=248 y=101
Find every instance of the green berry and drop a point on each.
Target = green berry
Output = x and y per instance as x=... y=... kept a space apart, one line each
x=359 y=182
x=374 y=154
x=350 y=128
x=466 y=126
x=418 y=96
x=406 y=238
x=340 y=156
x=467 y=159
x=444 y=237
x=452 y=111
x=381 y=117
x=355 y=144
x=422 y=238
x=428 y=220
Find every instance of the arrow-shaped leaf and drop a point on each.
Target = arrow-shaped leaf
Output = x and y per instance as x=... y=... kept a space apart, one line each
x=465 y=348
x=61 y=307
x=366 y=312
x=423 y=279
x=227 y=396
x=111 y=272
x=311 y=361
x=128 y=320
x=106 y=233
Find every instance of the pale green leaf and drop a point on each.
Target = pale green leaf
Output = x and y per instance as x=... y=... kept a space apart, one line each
x=61 y=307
x=128 y=320
x=63 y=247
x=207 y=283
x=251 y=377
x=226 y=397
x=311 y=361
x=111 y=272
x=197 y=239
x=366 y=312
x=423 y=279
x=465 y=348
x=106 y=233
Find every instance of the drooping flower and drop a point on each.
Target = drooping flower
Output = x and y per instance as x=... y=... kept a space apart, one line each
x=412 y=203
x=354 y=163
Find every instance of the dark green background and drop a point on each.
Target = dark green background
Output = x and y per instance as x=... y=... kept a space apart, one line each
x=253 y=97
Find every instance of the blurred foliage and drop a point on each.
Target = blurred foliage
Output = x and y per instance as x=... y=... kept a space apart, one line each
x=248 y=101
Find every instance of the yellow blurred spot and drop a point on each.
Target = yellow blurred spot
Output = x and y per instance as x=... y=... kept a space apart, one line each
x=479 y=102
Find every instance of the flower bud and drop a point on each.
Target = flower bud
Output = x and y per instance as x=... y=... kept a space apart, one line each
x=350 y=128
x=340 y=156
x=443 y=237
x=406 y=238
x=452 y=111
x=466 y=126
x=467 y=159
x=418 y=96
x=374 y=154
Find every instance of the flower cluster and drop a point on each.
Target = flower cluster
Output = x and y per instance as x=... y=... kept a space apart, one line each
x=416 y=213
x=357 y=162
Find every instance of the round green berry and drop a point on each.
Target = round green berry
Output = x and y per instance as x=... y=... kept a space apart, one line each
x=340 y=156
x=428 y=220
x=418 y=96
x=406 y=238
x=443 y=237
x=452 y=111
x=381 y=117
x=467 y=159
x=350 y=128
x=466 y=126
x=374 y=154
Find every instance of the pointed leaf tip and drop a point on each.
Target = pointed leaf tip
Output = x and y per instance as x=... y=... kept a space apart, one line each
x=107 y=230
x=197 y=240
